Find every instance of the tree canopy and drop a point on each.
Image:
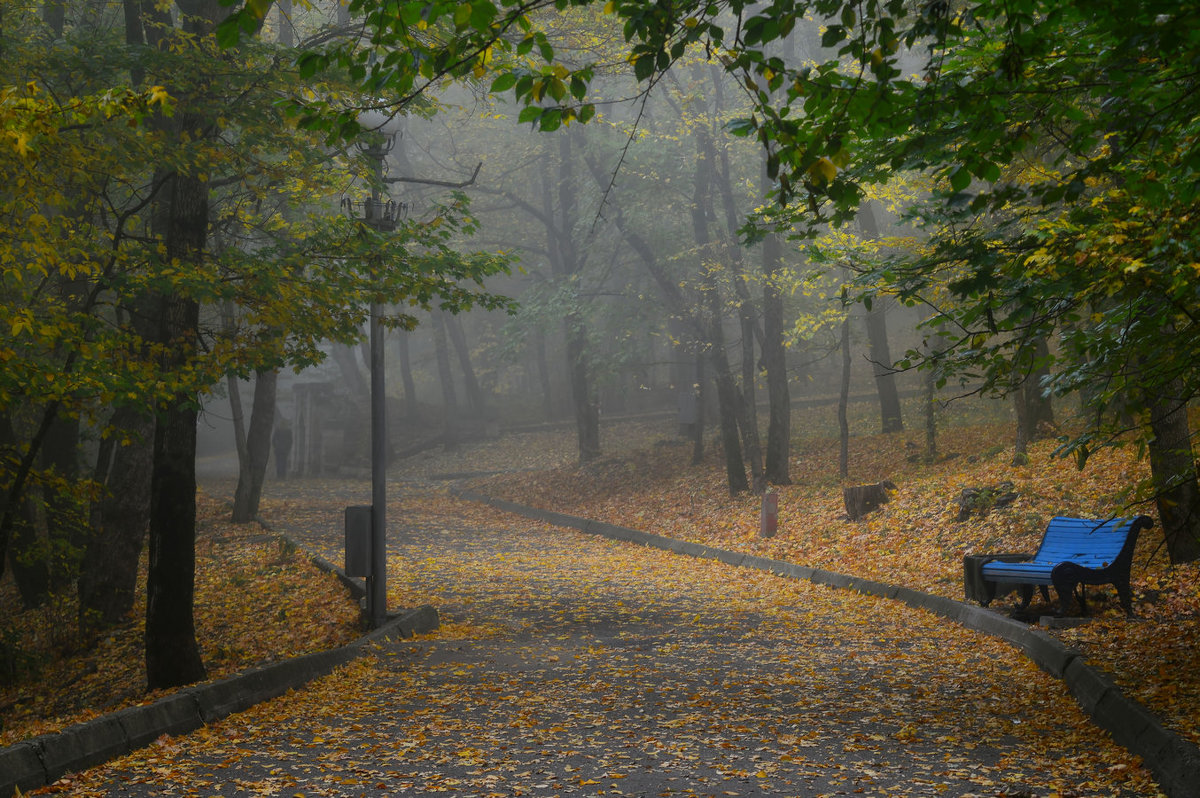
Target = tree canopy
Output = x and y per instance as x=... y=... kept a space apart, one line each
x=1060 y=139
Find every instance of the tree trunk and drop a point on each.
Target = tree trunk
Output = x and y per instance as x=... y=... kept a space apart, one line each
x=459 y=340
x=287 y=32
x=931 y=453
x=27 y=557
x=1036 y=412
x=252 y=470
x=1033 y=410
x=748 y=401
x=567 y=263
x=1021 y=446
x=23 y=549
x=172 y=655
x=1039 y=401
x=718 y=160
x=66 y=516
x=446 y=378
x=1173 y=471
x=863 y=499
x=698 y=382
x=727 y=394
x=180 y=218
x=844 y=404
x=549 y=409
x=237 y=417
x=774 y=358
x=749 y=418
x=347 y=362
x=727 y=406
x=412 y=409
x=125 y=465
x=877 y=338
x=891 y=419
x=587 y=409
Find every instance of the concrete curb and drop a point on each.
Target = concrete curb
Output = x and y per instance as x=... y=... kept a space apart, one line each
x=1174 y=761
x=355 y=586
x=43 y=760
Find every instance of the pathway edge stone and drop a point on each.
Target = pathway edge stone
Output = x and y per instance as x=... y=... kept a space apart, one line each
x=1174 y=761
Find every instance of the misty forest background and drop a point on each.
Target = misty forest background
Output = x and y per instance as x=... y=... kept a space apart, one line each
x=570 y=213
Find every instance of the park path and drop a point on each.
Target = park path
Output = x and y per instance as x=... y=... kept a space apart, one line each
x=571 y=665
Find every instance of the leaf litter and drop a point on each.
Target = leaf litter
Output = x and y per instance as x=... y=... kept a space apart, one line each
x=913 y=540
x=258 y=600
x=573 y=665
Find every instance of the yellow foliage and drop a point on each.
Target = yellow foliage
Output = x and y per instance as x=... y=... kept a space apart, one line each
x=823 y=171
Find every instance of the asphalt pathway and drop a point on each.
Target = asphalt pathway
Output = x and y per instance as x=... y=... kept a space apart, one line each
x=571 y=665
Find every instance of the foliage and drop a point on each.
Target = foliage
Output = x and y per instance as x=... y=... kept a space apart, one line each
x=1021 y=115
x=88 y=148
x=1045 y=126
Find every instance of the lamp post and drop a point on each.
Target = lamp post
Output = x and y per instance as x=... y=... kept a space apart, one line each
x=382 y=216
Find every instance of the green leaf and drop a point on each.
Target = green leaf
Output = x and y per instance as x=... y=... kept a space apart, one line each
x=228 y=32
x=410 y=13
x=578 y=87
x=551 y=120
x=462 y=16
x=833 y=34
x=482 y=14
x=643 y=67
x=311 y=63
x=960 y=178
x=503 y=83
x=745 y=126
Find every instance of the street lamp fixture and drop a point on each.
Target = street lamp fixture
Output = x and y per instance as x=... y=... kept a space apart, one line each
x=383 y=217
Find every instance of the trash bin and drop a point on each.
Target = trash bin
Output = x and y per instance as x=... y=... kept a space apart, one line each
x=358 y=540
x=976 y=588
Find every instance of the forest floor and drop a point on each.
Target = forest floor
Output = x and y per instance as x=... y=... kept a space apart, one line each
x=260 y=599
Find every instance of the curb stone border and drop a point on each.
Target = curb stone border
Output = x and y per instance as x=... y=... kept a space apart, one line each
x=42 y=760
x=1174 y=761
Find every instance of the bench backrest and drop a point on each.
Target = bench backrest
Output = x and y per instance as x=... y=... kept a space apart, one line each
x=1086 y=541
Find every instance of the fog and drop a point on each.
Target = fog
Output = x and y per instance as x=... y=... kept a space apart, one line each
x=631 y=273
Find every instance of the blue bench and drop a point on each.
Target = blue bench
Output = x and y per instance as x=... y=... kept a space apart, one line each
x=1075 y=552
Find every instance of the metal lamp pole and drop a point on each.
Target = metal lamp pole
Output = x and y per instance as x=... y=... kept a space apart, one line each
x=377 y=589
x=382 y=217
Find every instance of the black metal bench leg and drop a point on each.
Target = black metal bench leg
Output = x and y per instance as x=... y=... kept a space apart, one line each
x=1126 y=596
x=1066 y=591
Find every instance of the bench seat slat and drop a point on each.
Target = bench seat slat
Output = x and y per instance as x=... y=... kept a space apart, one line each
x=1028 y=572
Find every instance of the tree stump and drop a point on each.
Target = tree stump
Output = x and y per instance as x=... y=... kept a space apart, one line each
x=983 y=500
x=862 y=499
